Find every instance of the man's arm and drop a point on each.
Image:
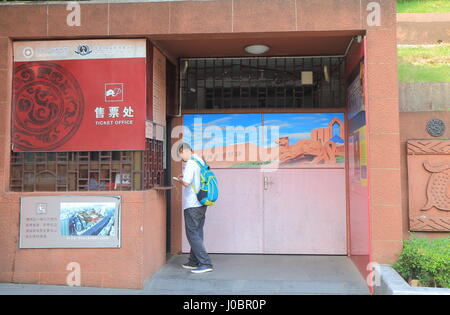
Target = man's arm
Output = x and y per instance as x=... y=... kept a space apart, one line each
x=188 y=175
x=180 y=180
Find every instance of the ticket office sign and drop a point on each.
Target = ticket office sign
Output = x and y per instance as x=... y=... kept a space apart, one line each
x=79 y=95
x=70 y=222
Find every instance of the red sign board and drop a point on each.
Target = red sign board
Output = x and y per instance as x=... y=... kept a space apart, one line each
x=79 y=95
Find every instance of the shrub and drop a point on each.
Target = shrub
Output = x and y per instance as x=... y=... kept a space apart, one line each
x=425 y=260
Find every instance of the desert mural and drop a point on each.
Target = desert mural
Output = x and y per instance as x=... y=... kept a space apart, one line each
x=287 y=140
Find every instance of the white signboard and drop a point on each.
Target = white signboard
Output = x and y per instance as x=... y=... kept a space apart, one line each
x=70 y=222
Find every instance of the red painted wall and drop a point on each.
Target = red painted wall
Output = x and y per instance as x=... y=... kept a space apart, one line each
x=180 y=20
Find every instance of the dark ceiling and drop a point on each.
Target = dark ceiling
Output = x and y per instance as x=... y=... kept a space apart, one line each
x=232 y=45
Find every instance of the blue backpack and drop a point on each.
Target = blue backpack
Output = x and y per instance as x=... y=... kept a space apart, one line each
x=209 y=190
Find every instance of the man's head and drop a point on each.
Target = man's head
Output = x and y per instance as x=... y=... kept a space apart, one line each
x=185 y=151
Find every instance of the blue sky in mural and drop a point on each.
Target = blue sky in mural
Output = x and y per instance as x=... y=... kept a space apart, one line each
x=296 y=126
x=214 y=129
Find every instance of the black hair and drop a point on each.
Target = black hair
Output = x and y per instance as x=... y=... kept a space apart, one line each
x=184 y=146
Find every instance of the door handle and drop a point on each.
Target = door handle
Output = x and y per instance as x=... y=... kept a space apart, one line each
x=267 y=183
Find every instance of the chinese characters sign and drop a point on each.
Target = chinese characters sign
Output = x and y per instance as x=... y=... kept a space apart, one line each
x=159 y=87
x=70 y=221
x=79 y=95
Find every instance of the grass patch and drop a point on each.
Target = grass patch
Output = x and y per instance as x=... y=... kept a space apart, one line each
x=424 y=64
x=423 y=6
x=411 y=73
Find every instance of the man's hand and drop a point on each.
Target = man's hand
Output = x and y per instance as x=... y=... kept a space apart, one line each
x=179 y=180
x=182 y=182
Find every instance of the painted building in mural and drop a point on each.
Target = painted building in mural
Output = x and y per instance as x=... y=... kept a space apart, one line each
x=306 y=135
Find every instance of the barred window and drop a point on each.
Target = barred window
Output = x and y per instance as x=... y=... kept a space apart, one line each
x=262 y=82
x=86 y=171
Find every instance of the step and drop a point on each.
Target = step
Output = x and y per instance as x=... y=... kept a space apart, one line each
x=261 y=274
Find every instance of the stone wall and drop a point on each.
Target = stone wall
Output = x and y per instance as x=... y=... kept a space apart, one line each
x=424 y=96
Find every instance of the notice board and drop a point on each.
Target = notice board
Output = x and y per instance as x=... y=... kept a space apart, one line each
x=70 y=221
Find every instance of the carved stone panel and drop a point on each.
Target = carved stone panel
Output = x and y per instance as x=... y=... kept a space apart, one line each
x=429 y=185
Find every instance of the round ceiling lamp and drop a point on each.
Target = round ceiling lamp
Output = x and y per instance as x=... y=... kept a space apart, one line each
x=257 y=49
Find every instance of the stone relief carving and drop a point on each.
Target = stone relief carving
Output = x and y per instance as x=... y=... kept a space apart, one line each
x=429 y=185
x=438 y=186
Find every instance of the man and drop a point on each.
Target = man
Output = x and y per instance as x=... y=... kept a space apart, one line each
x=94 y=183
x=194 y=211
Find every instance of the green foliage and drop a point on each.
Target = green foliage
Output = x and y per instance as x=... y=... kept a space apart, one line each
x=425 y=260
x=423 y=6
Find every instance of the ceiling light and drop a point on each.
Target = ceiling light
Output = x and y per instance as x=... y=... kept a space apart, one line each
x=257 y=49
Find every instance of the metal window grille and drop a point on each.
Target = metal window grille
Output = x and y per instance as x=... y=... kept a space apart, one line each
x=72 y=171
x=261 y=82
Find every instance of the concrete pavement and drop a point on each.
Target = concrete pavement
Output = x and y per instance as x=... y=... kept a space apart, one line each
x=234 y=275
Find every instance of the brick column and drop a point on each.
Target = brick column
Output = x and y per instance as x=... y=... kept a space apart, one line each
x=383 y=135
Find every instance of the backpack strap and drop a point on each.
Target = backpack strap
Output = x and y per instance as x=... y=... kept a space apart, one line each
x=201 y=166
x=193 y=188
x=198 y=162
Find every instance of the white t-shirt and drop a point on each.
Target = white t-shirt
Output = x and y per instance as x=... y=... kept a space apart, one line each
x=191 y=175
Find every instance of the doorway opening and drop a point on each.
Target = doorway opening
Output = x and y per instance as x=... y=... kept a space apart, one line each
x=291 y=198
x=262 y=83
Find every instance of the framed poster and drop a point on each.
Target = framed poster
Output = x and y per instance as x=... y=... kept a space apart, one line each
x=79 y=95
x=357 y=127
x=355 y=97
x=363 y=155
x=70 y=222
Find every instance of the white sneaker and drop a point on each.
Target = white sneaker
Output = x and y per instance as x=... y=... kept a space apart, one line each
x=201 y=269
x=188 y=266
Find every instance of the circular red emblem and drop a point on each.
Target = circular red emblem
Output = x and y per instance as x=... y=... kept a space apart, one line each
x=48 y=106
